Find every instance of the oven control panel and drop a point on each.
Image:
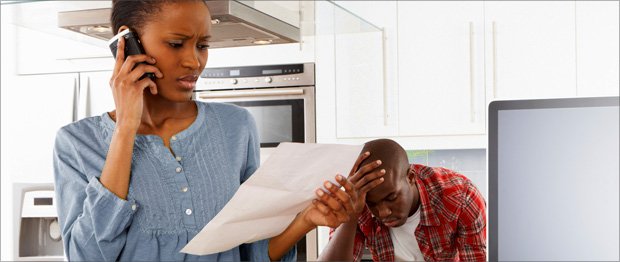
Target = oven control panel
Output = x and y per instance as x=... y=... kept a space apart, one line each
x=231 y=78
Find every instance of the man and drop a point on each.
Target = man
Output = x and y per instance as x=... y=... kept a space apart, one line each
x=415 y=213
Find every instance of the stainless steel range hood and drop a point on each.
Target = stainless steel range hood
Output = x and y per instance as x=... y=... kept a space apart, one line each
x=233 y=24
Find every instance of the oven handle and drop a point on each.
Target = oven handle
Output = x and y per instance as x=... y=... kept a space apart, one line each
x=250 y=93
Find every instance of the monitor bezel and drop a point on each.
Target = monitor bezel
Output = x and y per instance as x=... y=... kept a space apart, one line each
x=499 y=105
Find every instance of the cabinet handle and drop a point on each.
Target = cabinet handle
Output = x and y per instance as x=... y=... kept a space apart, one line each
x=494 y=59
x=76 y=98
x=385 y=91
x=472 y=116
x=88 y=106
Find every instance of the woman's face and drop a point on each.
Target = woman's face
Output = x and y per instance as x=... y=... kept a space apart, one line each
x=178 y=39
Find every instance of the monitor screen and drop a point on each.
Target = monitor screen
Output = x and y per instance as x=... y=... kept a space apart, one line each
x=554 y=180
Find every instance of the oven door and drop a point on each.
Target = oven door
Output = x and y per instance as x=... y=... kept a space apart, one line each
x=281 y=114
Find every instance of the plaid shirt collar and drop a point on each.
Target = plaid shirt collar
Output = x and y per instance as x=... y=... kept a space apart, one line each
x=430 y=198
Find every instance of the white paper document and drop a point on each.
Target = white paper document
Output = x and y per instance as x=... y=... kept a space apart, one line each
x=270 y=199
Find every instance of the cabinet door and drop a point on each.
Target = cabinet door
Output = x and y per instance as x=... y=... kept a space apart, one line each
x=597 y=48
x=95 y=94
x=34 y=108
x=43 y=47
x=363 y=93
x=530 y=49
x=440 y=68
x=355 y=70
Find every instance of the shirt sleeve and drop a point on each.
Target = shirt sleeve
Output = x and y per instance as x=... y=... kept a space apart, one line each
x=259 y=251
x=93 y=220
x=471 y=227
x=253 y=151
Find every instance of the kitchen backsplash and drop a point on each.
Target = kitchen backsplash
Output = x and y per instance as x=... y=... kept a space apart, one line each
x=469 y=162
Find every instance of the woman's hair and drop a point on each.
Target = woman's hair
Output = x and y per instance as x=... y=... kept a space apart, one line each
x=391 y=154
x=136 y=13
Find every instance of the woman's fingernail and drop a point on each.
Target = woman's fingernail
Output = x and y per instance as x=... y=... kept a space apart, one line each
x=319 y=192
x=381 y=179
x=367 y=153
x=382 y=171
x=379 y=162
x=339 y=177
x=328 y=185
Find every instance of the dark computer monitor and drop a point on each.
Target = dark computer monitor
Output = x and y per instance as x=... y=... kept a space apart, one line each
x=554 y=180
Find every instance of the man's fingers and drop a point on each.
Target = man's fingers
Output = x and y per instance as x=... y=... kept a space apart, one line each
x=369 y=186
x=369 y=177
x=363 y=170
x=359 y=160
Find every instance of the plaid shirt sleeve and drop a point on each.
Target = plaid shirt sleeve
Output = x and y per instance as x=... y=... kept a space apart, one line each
x=471 y=227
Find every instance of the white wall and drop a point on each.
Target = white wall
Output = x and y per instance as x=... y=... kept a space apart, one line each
x=8 y=66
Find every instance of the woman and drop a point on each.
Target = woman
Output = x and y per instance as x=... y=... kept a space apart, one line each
x=141 y=181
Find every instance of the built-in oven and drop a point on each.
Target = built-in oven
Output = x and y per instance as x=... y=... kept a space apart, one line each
x=281 y=100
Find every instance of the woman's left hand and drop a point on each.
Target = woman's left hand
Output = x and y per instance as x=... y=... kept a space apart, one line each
x=333 y=207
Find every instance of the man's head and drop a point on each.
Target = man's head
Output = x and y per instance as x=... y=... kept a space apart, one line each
x=394 y=200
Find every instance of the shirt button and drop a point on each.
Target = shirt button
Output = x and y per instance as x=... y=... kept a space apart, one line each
x=174 y=138
x=178 y=158
x=184 y=189
x=188 y=211
x=133 y=207
x=179 y=169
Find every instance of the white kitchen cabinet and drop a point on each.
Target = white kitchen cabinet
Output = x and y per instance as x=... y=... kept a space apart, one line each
x=597 y=48
x=95 y=94
x=36 y=108
x=530 y=49
x=43 y=47
x=441 y=68
x=354 y=89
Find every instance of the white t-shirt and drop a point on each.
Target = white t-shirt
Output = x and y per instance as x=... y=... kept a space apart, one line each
x=405 y=244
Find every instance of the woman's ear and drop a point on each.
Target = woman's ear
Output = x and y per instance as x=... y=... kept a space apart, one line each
x=122 y=28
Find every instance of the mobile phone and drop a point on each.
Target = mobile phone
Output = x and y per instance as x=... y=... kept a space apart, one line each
x=133 y=46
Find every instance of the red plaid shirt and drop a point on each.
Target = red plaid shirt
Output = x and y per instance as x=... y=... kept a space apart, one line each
x=452 y=220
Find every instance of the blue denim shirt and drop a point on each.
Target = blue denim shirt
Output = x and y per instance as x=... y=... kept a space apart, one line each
x=171 y=197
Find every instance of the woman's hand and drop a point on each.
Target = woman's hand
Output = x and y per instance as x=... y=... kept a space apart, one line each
x=128 y=88
x=340 y=206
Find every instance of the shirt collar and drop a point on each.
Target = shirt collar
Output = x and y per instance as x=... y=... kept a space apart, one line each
x=109 y=125
x=428 y=217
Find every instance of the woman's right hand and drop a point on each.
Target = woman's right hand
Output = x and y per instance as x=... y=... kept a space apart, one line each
x=128 y=88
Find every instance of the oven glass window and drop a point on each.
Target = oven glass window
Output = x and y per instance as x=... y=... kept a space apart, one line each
x=277 y=120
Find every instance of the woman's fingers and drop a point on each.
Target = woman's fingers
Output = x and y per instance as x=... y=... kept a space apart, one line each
x=321 y=207
x=148 y=83
x=328 y=200
x=120 y=55
x=343 y=197
x=348 y=186
x=133 y=60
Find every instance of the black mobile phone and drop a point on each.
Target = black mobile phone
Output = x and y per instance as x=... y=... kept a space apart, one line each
x=133 y=46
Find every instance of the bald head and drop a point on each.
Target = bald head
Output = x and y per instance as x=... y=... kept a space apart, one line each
x=391 y=154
